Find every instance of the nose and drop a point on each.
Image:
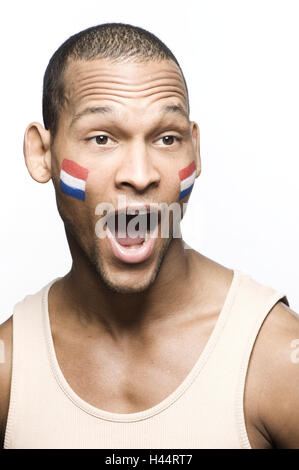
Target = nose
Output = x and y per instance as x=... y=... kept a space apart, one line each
x=136 y=169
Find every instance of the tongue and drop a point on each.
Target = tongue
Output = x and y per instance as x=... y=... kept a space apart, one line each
x=128 y=241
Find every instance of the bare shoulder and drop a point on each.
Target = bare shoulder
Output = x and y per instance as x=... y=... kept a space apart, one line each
x=272 y=384
x=5 y=373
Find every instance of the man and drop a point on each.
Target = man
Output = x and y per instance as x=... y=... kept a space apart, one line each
x=145 y=343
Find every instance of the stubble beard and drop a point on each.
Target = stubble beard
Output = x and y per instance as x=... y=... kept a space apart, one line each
x=93 y=256
x=95 y=261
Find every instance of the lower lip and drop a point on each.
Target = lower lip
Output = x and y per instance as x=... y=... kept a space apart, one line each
x=135 y=254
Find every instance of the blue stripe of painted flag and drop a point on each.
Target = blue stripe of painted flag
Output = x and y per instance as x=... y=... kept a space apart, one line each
x=186 y=191
x=77 y=193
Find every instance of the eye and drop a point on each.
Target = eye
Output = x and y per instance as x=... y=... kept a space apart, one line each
x=100 y=139
x=169 y=139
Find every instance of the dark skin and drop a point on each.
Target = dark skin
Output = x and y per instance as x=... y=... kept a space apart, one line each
x=155 y=327
x=272 y=384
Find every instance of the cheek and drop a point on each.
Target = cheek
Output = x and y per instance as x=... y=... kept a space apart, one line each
x=72 y=185
x=73 y=179
x=186 y=178
x=76 y=203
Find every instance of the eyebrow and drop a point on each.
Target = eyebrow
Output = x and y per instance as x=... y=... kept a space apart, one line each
x=108 y=110
x=92 y=110
x=175 y=108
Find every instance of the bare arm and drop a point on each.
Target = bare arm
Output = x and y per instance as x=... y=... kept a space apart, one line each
x=5 y=373
x=274 y=377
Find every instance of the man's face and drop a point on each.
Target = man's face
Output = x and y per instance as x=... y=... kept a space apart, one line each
x=127 y=124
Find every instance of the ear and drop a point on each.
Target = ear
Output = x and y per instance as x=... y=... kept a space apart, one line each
x=37 y=152
x=196 y=146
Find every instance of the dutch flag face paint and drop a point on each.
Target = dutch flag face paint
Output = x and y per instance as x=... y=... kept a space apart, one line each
x=73 y=179
x=187 y=177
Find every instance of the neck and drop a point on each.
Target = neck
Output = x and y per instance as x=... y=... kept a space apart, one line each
x=83 y=293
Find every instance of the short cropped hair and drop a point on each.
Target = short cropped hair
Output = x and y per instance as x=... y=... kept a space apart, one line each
x=114 y=41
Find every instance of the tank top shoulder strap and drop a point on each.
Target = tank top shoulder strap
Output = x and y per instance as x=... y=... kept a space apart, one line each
x=264 y=298
x=28 y=358
x=229 y=361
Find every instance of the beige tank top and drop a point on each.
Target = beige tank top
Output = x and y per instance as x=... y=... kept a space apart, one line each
x=205 y=410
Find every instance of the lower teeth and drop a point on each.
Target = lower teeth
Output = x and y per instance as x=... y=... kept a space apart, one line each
x=130 y=247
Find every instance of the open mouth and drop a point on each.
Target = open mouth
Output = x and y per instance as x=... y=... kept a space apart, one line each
x=132 y=234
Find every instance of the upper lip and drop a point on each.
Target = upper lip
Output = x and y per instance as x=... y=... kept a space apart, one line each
x=136 y=209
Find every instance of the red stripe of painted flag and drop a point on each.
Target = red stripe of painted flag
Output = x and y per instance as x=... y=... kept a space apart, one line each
x=185 y=172
x=72 y=168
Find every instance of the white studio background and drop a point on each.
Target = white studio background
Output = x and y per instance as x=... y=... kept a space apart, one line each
x=240 y=59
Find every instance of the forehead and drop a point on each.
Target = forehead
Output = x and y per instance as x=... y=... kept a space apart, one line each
x=124 y=84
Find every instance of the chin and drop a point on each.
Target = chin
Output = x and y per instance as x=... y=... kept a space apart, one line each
x=126 y=288
x=126 y=284
x=129 y=281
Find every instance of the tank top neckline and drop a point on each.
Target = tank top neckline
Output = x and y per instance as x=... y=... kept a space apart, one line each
x=166 y=402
